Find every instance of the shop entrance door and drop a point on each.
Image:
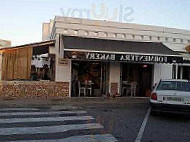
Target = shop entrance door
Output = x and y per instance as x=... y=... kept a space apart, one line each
x=105 y=78
x=139 y=74
x=96 y=73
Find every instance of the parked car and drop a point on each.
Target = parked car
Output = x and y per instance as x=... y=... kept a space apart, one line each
x=171 y=96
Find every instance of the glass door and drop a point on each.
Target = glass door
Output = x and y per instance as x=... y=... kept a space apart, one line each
x=105 y=78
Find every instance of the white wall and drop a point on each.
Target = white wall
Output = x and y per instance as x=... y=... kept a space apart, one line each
x=114 y=74
x=176 y=39
x=162 y=71
x=46 y=30
x=62 y=72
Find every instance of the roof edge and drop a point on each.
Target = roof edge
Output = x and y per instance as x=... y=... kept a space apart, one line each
x=43 y=43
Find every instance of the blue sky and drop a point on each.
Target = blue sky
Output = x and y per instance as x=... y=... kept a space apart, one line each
x=21 y=20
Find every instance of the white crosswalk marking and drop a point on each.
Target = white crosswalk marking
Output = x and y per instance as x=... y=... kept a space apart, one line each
x=48 y=129
x=44 y=119
x=64 y=127
x=84 y=138
x=41 y=113
x=17 y=109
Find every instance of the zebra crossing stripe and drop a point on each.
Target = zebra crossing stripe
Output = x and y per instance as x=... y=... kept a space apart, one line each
x=82 y=138
x=44 y=119
x=18 y=109
x=41 y=113
x=48 y=129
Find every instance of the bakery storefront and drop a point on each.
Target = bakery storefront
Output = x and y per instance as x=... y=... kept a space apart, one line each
x=112 y=67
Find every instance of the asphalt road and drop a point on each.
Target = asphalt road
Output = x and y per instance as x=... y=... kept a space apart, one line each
x=123 y=119
x=167 y=128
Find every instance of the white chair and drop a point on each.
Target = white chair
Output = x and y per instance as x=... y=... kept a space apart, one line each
x=133 y=88
x=82 y=89
x=88 y=85
x=126 y=88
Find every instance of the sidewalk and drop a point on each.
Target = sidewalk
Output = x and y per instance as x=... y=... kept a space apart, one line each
x=68 y=102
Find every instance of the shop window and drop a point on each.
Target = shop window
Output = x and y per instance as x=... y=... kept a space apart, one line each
x=83 y=72
x=150 y=37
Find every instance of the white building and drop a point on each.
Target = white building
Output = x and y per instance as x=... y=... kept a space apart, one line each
x=95 y=37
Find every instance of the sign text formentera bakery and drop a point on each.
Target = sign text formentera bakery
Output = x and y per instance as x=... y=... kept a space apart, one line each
x=120 y=57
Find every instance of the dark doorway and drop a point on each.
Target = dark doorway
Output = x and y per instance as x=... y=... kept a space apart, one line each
x=186 y=72
x=140 y=74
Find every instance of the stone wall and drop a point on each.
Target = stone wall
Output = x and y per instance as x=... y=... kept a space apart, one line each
x=114 y=89
x=33 y=89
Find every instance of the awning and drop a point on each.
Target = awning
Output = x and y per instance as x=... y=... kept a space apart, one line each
x=116 y=50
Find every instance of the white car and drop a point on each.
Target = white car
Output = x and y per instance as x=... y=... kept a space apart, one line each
x=171 y=96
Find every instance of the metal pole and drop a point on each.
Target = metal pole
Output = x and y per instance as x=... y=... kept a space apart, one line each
x=176 y=71
x=101 y=79
x=181 y=72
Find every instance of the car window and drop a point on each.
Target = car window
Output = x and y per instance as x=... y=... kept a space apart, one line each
x=174 y=85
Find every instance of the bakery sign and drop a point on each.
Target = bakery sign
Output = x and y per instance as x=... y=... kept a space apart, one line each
x=135 y=58
x=121 y=57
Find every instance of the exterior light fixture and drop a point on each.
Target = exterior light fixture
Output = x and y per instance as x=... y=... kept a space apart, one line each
x=74 y=55
x=145 y=66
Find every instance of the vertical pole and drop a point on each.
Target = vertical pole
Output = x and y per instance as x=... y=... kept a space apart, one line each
x=176 y=71
x=101 y=80
x=181 y=72
x=71 y=81
x=121 y=79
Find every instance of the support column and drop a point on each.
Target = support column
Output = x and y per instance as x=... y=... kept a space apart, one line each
x=181 y=72
x=114 y=83
x=176 y=74
x=62 y=66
